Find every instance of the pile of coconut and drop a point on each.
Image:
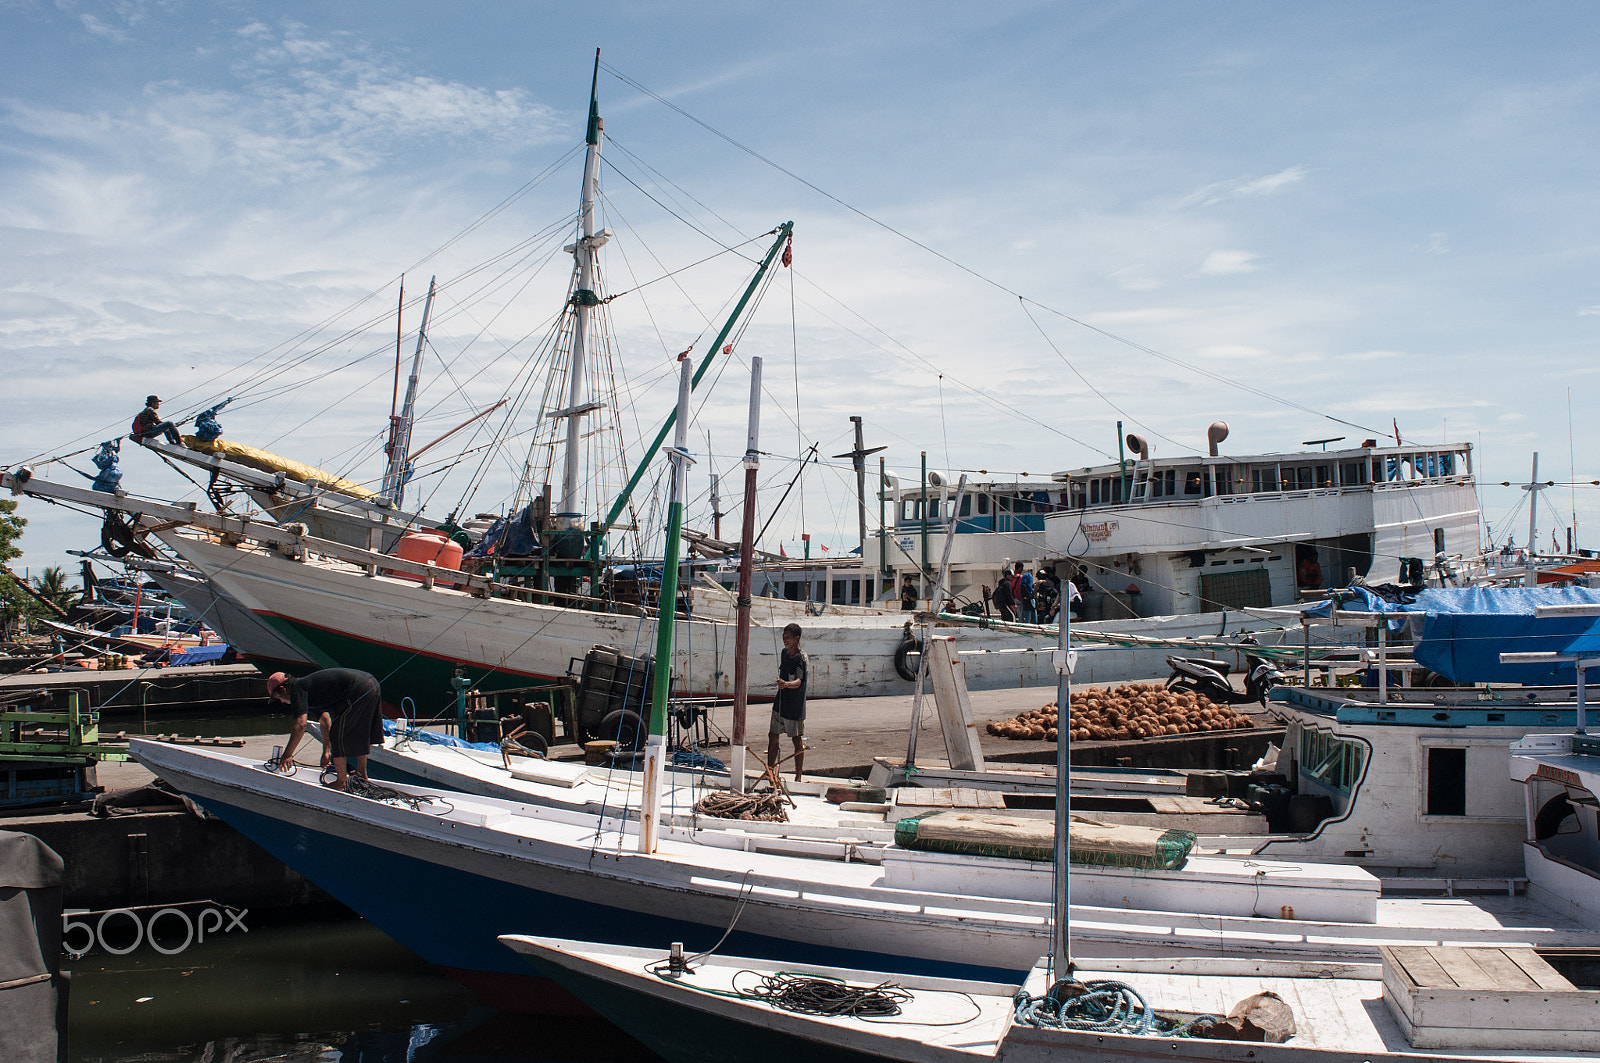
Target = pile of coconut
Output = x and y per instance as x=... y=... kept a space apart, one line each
x=1129 y=711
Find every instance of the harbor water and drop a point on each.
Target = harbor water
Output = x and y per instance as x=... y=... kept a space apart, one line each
x=317 y=987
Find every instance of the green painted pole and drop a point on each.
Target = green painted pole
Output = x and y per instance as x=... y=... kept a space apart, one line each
x=783 y=232
x=655 y=752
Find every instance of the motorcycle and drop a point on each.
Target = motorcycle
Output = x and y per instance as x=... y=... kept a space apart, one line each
x=1209 y=677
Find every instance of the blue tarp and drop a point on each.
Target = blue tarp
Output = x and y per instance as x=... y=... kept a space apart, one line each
x=201 y=654
x=1466 y=629
x=436 y=739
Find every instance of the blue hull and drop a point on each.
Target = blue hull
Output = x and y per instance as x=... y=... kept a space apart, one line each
x=452 y=918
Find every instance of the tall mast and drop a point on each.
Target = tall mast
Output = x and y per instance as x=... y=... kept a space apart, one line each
x=583 y=300
x=655 y=747
x=394 y=477
x=859 y=457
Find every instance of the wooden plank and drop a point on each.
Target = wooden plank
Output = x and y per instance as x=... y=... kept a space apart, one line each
x=1421 y=968
x=1459 y=964
x=1502 y=969
x=924 y=797
x=1535 y=967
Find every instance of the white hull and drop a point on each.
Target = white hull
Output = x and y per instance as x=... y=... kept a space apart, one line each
x=341 y=616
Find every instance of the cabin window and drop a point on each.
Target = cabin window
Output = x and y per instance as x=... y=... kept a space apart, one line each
x=1264 y=479
x=1193 y=482
x=791 y=589
x=983 y=505
x=1304 y=480
x=1378 y=466
x=1447 y=781
x=1353 y=473
x=910 y=510
x=1447 y=464
x=1332 y=761
x=1324 y=476
x=966 y=505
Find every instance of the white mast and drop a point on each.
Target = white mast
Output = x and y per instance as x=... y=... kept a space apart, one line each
x=394 y=477
x=583 y=300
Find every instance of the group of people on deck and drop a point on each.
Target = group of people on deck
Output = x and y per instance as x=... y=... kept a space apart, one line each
x=1033 y=597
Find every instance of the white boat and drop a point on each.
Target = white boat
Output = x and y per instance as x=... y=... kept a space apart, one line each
x=540 y=870
x=1189 y=534
x=1517 y=1006
x=234 y=624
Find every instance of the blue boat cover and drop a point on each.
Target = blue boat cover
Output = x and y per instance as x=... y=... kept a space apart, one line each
x=1466 y=629
x=434 y=738
x=200 y=654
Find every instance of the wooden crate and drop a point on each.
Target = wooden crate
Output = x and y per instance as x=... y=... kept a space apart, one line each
x=1486 y=997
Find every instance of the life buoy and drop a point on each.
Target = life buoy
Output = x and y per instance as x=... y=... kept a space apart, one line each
x=902 y=658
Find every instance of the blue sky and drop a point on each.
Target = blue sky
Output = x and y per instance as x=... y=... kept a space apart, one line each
x=1378 y=212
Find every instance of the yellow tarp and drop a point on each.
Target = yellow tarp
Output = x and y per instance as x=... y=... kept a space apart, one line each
x=267 y=461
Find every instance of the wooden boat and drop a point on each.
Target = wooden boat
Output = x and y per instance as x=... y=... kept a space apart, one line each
x=543 y=871
x=1504 y=1004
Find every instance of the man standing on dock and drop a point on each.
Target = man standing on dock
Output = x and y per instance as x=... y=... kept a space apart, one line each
x=789 y=708
x=348 y=708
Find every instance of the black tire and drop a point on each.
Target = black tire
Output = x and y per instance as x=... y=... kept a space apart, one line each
x=902 y=659
x=624 y=727
x=533 y=741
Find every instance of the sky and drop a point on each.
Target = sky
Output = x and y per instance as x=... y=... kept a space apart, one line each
x=1016 y=224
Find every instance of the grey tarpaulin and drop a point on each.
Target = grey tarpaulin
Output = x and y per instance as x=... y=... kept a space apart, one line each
x=33 y=995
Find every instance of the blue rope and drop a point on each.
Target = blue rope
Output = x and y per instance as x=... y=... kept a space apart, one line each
x=1101 y=1007
x=694 y=758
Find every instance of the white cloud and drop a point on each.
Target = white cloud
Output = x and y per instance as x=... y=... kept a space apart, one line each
x=1224 y=263
x=1241 y=187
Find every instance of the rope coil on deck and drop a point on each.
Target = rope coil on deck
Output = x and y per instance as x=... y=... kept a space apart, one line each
x=1098 y=1007
x=768 y=806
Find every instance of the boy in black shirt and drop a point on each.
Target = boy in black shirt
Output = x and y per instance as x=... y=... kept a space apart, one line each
x=789 y=708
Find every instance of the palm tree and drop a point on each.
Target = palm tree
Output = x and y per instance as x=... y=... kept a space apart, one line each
x=52 y=585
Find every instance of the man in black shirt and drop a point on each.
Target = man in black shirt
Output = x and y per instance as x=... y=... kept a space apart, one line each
x=789 y=708
x=348 y=708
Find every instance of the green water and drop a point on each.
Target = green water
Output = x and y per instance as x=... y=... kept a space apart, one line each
x=329 y=992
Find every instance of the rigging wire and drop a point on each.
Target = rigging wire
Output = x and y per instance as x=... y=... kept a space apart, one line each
x=970 y=271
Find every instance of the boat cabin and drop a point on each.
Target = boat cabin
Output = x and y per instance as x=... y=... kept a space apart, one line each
x=1162 y=536
x=1559 y=775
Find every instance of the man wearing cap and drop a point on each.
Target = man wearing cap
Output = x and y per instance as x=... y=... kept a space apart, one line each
x=149 y=423
x=348 y=708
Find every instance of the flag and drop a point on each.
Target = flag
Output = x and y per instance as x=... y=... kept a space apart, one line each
x=825 y=549
x=781 y=551
x=1397 y=432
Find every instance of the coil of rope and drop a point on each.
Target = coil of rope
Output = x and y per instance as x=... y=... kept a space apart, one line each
x=1099 y=1007
x=725 y=804
x=813 y=995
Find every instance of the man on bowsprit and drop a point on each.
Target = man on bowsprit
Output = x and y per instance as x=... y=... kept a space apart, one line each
x=789 y=707
x=348 y=708
x=149 y=424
